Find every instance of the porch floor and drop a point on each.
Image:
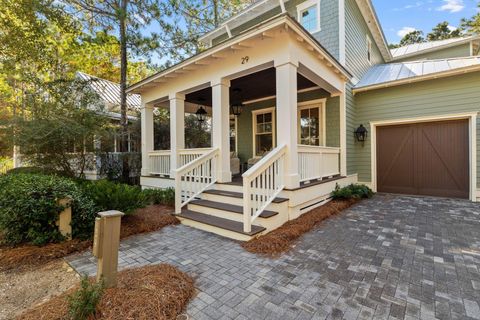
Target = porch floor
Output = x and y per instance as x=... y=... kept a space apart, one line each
x=238 y=181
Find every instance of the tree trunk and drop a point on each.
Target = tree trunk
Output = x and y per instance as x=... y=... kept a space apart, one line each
x=123 y=87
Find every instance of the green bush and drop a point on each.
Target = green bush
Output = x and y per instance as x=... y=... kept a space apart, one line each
x=160 y=196
x=83 y=303
x=29 y=208
x=353 y=191
x=108 y=195
x=34 y=170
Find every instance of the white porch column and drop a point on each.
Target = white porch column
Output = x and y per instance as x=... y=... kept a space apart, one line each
x=286 y=79
x=147 y=136
x=177 y=130
x=220 y=127
x=343 y=133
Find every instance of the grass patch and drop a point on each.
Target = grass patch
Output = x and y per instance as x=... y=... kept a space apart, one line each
x=159 y=292
x=281 y=240
x=143 y=220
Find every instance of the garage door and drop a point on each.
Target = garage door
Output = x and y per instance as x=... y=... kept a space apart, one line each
x=424 y=159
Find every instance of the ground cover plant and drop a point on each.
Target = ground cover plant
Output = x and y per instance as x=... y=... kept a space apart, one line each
x=159 y=292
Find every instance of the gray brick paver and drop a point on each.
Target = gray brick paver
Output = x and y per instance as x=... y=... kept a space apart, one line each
x=390 y=257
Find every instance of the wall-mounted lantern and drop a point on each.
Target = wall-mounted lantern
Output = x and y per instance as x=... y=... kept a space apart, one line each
x=237 y=107
x=361 y=133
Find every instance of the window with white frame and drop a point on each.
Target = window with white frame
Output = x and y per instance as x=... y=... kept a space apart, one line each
x=369 y=49
x=311 y=124
x=264 y=131
x=308 y=14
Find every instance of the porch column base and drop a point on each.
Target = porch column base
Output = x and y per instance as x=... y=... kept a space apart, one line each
x=224 y=176
x=292 y=181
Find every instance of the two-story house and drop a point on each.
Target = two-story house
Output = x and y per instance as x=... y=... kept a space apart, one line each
x=307 y=95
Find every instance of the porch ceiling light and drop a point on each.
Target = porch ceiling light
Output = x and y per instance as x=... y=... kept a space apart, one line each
x=361 y=133
x=237 y=107
x=201 y=114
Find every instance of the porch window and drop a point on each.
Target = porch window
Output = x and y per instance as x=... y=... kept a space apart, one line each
x=309 y=15
x=311 y=125
x=233 y=134
x=264 y=128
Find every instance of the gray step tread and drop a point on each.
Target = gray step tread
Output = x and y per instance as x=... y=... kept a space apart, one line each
x=238 y=195
x=219 y=222
x=229 y=207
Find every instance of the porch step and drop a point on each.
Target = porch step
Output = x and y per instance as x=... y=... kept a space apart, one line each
x=220 y=223
x=237 y=195
x=229 y=207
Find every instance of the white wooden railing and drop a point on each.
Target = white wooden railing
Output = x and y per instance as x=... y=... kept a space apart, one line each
x=261 y=184
x=159 y=162
x=195 y=177
x=318 y=162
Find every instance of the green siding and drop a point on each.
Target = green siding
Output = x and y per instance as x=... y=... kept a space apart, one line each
x=429 y=98
x=328 y=36
x=453 y=52
x=245 y=130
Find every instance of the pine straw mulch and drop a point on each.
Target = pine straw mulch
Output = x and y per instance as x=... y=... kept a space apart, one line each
x=24 y=257
x=281 y=240
x=159 y=292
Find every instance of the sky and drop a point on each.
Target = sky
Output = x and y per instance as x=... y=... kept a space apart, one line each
x=399 y=17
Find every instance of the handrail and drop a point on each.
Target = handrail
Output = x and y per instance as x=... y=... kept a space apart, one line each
x=194 y=177
x=261 y=184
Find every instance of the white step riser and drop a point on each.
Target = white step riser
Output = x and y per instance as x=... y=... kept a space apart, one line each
x=227 y=187
x=216 y=230
x=216 y=212
x=238 y=201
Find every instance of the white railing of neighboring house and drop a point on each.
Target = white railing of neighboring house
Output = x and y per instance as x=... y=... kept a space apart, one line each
x=188 y=155
x=261 y=184
x=316 y=162
x=195 y=177
x=159 y=162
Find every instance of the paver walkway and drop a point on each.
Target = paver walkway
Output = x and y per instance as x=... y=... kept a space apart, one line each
x=387 y=257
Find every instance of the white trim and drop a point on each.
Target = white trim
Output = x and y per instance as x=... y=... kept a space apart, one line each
x=341 y=32
x=471 y=116
x=254 y=127
x=306 y=5
x=321 y=105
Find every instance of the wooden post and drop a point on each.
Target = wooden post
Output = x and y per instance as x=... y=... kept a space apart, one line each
x=64 y=222
x=105 y=246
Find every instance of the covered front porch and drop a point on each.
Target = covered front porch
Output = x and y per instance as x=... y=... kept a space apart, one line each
x=290 y=131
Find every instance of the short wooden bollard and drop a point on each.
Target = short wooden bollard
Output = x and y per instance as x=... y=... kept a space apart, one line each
x=106 y=241
x=64 y=222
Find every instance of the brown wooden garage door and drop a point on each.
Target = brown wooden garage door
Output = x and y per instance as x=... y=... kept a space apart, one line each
x=424 y=159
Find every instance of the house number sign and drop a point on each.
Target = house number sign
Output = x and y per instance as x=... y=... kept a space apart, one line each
x=245 y=59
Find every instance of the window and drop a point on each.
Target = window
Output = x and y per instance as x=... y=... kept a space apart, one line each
x=369 y=49
x=309 y=15
x=311 y=124
x=264 y=131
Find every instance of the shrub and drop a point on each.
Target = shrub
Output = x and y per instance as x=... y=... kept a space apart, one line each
x=353 y=191
x=160 y=196
x=29 y=208
x=108 y=195
x=83 y=303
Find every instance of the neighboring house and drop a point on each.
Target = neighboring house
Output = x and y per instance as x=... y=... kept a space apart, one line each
x=104 y=153
x=307 y=75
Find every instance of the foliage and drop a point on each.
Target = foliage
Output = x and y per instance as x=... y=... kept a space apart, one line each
x=59 y=132
x=83 y=303
x=29 y=208
x=353 y=191
x=5 y=164
x=472 y=25
x=443 y=31
x=412 y=38
x=108 y=195
x=160 y=196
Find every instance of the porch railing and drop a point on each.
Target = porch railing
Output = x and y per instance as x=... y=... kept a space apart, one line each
x=160 y=160
x=318 y=162
x=261 y=184
x=195 y=177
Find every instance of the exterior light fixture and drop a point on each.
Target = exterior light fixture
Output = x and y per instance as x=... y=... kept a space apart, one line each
x=361 y=133
x=237 y=107
x=201 y=114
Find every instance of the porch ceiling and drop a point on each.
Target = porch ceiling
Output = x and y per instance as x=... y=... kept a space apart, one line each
x=253 y=86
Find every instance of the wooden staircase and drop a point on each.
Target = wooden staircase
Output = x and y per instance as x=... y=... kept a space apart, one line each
x=219 y=210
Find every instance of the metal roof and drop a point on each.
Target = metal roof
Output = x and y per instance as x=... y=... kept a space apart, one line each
x=419 y=48
x=110 y=91
x=384 y=75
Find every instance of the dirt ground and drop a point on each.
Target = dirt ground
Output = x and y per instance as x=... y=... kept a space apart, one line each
x=20 y=290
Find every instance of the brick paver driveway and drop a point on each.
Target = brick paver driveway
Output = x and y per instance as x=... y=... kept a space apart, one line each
x=387 y=257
